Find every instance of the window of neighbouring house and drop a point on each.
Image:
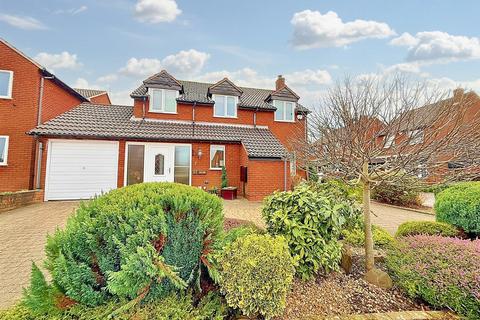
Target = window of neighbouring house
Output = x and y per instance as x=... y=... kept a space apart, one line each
x=389 y=141
x=181 y=173
x=163 y=100
x=3 y=150
x=416 y=136
x=6 y=82
x=225 y=106
x=217 y=157
x=285 y=110
x=135 y=165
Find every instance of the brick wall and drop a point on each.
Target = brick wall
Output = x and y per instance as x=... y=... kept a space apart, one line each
x=101 y=99
x=265 y=177
x=19 y=114
x=13 y=200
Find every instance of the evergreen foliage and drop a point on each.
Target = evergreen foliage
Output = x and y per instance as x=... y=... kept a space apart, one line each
x=224 y=178
x=137 y=243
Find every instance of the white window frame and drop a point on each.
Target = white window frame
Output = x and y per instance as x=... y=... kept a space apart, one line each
x=10 y=85
x=389 y=142
x=162 y=105
x=5 y=158
x=213 y=148
x=225 y=98
x=284 y=110
x=416 y=137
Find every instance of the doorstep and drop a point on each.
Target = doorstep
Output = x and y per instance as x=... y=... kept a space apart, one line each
x=403 y=315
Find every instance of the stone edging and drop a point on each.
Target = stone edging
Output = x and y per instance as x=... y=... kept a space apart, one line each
x=405 y=208
x=403 y=315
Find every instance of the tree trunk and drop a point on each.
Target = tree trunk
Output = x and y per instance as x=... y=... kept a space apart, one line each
x=369 y=259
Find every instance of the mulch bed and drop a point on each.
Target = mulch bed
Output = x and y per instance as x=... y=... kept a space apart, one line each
x=341 y=294
x=230 y=223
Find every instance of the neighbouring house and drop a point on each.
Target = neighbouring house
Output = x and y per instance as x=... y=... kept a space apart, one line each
x=179 y=131
x=415 y=127
x=29 y=96
x=95 y=96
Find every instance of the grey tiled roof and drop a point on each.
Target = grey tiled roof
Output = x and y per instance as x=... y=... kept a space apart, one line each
x=88 y=93
x=116 y=122
x=197 y=91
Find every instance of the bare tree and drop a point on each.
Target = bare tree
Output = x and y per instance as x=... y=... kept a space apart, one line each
x=375 y=130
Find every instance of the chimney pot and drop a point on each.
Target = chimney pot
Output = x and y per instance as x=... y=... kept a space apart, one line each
x=280 y=83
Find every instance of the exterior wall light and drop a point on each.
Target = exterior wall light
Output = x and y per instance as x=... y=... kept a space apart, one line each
x=199 y=153
x=299 y=116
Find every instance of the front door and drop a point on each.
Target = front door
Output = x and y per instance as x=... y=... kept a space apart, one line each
x=158 y=163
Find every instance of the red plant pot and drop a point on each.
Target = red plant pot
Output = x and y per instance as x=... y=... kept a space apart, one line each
x=229 y=193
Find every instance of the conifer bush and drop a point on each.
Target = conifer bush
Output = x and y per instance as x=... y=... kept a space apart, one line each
x=137 y=243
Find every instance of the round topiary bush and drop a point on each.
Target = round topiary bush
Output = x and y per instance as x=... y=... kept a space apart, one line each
x=140 y=242
x=433 y=228
x=256 y=274
x=310 y=219
x=459 y=205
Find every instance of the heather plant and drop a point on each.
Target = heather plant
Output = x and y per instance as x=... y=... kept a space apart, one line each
x=311 y=220
x=445 y=272
x=135 y=244
x=411 y=228
x=460 y=205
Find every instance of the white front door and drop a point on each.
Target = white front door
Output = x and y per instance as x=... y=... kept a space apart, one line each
x=158 y=163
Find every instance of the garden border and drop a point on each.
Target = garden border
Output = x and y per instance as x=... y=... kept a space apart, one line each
x=404 y=208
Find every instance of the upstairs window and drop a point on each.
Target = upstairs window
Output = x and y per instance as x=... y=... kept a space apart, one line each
x=225 y=106
x=3 y=150
x=6 y=82
x=163 y=100
x=389 y=141
x=416 y=137
x=285 y=110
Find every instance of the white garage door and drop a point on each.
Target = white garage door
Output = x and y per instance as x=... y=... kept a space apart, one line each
x=80 y=169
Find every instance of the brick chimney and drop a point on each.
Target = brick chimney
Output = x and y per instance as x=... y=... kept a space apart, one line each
x=458 y=93
x=280 y=83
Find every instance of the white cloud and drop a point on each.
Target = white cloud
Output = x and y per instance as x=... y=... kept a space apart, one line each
x=82 y=83
x=156 y=11
x=437 y=46
x=107 y=78
x=313 y=29
x=72 y=11
x=183 y=63
x=63 y=60
x=22 y=22
x=121 y=97
x=445 y=83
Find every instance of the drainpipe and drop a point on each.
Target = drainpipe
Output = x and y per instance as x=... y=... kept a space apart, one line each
x=40 y=99
x=255 y=118
x=39 y=164
x=143 y=107
x=285 y=173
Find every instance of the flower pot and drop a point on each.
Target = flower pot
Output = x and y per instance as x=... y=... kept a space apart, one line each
x=229 y=193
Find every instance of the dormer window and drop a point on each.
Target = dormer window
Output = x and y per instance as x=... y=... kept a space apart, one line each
x=285 y=110
x=225 y=106
x=163 y=100
x=6 y=82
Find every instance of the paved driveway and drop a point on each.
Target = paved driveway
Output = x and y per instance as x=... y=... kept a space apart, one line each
x=23 y=235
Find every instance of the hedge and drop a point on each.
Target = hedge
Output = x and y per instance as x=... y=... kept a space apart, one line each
x=432 y=228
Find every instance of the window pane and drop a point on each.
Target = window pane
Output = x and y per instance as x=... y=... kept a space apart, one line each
x=170 y=101
x=3 y=150
x=219 y=107
x=159 y=165
x=279 y=112
x=289 y=111
x=217 y=157
x=4 y=83
x=231 y=106
x=182 y=165
x=135 y=164
x=156 y=103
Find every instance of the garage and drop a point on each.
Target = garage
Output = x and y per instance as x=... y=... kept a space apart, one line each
x=80 y=169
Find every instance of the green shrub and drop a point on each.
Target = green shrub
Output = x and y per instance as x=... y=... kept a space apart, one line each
x=440 y=270
x=139 y=242
x=432 y=228
x=257 y=271
x=356 y=237
x=311 y=221
x=459 y=205
x=211 y=307
x=403 y=192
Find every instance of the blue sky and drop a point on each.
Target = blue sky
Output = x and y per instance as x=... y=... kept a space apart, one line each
x=116 y=44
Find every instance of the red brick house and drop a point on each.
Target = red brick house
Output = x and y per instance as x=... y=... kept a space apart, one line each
x=181 y=131
x=95 y=96
x=29 y=96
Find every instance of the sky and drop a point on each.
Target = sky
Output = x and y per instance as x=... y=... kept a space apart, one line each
x=115 y=44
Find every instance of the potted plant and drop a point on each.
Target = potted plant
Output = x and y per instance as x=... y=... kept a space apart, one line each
x=227 y=193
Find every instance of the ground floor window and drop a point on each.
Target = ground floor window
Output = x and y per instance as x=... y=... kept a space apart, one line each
x=135 y=163
x=3 y=150
x=181 y=173
x=217 y=157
